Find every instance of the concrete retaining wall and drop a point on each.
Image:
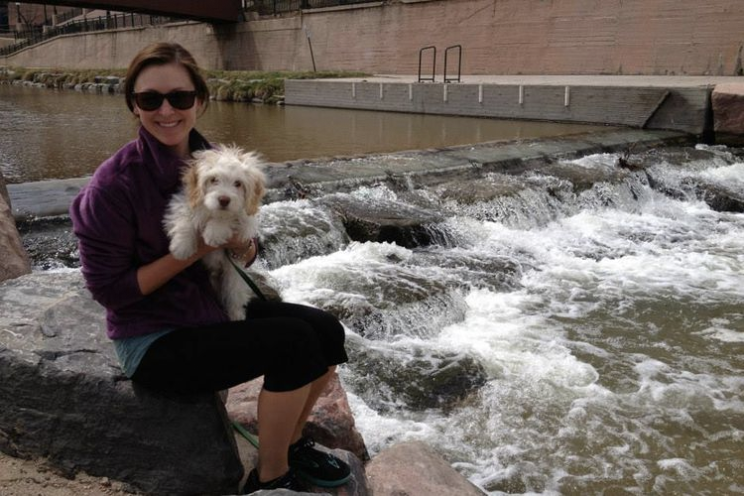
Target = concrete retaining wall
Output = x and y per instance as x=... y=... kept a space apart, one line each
x=658 y=37
x=681 y=109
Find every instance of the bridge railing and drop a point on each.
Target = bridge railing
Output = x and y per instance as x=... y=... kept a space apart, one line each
x=41 y=33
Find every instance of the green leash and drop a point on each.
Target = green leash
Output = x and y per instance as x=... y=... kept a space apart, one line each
x=247 y=435
x=239 y=428
x=246 y=278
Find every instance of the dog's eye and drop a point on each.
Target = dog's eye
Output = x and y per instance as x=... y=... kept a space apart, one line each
x=214 y=180
x=238 y=184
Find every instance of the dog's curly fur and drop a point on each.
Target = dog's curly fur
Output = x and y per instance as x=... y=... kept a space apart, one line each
x=220 y=198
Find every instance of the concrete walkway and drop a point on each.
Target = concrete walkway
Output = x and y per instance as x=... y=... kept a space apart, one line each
x=568 y=80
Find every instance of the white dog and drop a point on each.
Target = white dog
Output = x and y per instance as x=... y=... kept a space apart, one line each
x=220 y=198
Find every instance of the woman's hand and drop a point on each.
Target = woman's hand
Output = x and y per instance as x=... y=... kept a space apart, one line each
x=239 y=248
x=242 y=251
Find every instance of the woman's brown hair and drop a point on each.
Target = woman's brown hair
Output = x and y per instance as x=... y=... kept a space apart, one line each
x=162 y=54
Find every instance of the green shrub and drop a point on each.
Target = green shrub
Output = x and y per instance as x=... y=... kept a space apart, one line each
x=238 y=86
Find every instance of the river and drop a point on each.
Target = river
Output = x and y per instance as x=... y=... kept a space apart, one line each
x=48 y=134
x=562 y=339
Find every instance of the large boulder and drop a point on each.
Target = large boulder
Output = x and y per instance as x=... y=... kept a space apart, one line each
x=15 y=259
x=414 y=468
x=64 y=399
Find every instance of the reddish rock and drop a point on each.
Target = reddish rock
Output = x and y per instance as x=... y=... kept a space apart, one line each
x=416 y=469
x=728 y=108
x=331 y=423
x=15 y=259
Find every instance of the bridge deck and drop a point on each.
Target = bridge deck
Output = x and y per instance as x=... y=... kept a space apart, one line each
x=214 y=11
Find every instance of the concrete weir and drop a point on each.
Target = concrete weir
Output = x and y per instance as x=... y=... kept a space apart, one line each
x=680 y=103
x=298 y=178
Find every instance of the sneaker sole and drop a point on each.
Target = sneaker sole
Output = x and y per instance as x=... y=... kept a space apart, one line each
x=322 y=482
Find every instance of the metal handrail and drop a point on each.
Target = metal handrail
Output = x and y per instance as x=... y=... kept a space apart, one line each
x=433 y=64
x=459 y=63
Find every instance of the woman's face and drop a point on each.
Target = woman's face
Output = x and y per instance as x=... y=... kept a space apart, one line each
x=169 y=125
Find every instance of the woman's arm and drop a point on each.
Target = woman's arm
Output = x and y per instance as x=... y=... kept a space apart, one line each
x=152 y=276
x=155 y=274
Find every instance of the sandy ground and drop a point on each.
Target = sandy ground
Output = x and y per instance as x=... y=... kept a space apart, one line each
x=30 y=478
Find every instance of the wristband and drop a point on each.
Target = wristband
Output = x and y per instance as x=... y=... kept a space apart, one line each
x=240 y=257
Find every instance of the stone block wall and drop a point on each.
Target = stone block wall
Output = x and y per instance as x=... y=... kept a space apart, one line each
x=652 y=37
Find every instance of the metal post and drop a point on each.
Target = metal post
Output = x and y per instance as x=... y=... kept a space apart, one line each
x=310 y=44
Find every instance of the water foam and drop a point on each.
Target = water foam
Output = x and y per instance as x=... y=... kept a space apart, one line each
x=607 y=362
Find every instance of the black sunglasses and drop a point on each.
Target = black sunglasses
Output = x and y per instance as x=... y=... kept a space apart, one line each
x=152 y=100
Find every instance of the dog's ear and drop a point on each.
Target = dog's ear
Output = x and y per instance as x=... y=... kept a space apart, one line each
x=254 y=190
x=193 y=189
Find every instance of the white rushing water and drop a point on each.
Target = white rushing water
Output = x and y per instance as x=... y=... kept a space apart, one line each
x=611 y=346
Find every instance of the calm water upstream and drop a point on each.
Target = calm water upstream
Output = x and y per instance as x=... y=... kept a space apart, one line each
x=46 y=134
x=599 y=330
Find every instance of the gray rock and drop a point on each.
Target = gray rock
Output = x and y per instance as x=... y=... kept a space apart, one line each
x=720 y=198
x=388 y=376
x=388 y=221
x=63 y=398
x=717 y=196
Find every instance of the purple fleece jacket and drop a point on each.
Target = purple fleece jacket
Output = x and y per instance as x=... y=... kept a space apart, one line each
x=118 y=219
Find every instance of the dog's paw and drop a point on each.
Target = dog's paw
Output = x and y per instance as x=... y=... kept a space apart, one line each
x=216 y=235
x=183 y=249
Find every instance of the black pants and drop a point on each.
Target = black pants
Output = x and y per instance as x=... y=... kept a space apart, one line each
x=290 y=345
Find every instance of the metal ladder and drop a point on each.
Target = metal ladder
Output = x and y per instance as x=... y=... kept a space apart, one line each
x=433 y=50
x=433 y=64
x=459 y=63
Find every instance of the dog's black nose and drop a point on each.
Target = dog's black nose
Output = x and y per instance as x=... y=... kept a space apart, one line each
x=224 y=201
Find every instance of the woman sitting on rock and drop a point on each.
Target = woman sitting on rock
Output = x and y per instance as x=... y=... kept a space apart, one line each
x=162 y=314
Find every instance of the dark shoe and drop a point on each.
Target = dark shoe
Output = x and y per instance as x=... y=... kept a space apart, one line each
x=317 y=467
x=286 y=481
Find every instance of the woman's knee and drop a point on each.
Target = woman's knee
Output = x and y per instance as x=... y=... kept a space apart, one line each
x=296 y=360
x=296 y=338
